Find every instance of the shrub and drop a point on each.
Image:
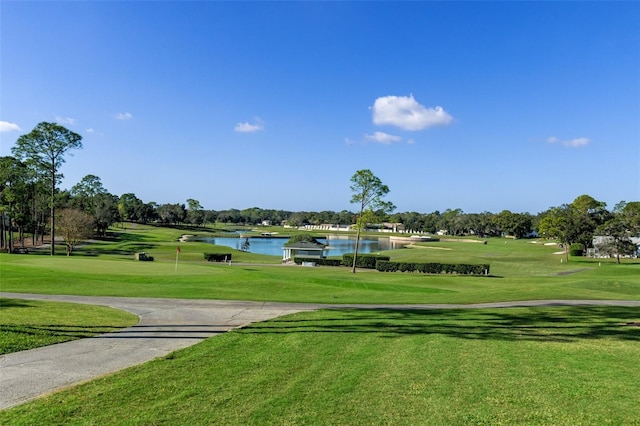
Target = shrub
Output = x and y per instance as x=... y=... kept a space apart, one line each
x=317 y=261
x=432 y=268
x=367 y=261
x=217 y=257
x=576 y=249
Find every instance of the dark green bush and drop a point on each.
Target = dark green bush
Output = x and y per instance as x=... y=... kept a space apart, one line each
x=217 y=257
x=321 y=262
x=367 y=261
x=576 y=249
x=432 y=268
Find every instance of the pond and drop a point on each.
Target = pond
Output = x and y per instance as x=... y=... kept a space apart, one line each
x=337 y=244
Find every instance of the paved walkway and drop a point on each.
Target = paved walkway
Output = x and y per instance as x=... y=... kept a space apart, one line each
x=165 y=325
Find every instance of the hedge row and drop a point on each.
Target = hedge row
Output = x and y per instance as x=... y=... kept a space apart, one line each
x=321 y=262
x=217 y=257
x=367 y=261
x=432 y=268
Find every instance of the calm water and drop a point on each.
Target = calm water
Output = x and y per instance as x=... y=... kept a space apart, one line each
x=337 y=245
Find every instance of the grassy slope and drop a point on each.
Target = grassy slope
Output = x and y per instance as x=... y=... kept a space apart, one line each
x=562 y=366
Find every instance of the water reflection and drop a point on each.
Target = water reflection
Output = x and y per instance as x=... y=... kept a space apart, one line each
x=337 y=245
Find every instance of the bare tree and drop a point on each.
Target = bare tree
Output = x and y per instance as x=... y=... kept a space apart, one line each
x=75 y=226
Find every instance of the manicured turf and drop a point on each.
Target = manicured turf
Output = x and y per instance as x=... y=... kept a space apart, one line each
x=28 y=324
x=563 y=366
x=521 y=270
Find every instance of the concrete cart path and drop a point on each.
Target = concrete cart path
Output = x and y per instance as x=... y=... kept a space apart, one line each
x=165 y=325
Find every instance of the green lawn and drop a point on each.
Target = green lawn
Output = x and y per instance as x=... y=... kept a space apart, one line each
x=28 y=324
x=562 y=366
x=520 y=270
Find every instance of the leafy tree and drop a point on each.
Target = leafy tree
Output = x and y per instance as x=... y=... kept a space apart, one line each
x=368 y=191
x=105 y=212
x=302 y=238
x=84 y=193
x=44 y=148
x=14 y=199
x=172 y=213
x=585 y=215
x=130 y=207
x=450 y=220
x=556 y=223
x=574 y=223
x=618 y=230
x=516 y=224
x=75 y=226
x=195 y=212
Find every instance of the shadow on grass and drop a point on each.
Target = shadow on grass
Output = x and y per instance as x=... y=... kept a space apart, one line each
x=15 y=303
x=558 y=324
x=126 y=250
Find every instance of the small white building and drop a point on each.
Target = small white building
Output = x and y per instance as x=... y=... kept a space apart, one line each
x=303 y=249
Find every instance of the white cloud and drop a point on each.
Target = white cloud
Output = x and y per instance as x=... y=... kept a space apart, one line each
x=247 y=127
x=570 y=143
x=90 y=130
x=6 y=126
x=382 y=137
x=406 y=113
x=349 y=141
x=124 y=116
x=65 y=120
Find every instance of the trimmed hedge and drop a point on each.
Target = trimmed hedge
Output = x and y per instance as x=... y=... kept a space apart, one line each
x=217 y=257
x=576 y=249
x=432 y=268
x=367 y=261
x=317 y=261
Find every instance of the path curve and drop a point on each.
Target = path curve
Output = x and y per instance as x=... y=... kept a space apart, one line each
x=166 y=325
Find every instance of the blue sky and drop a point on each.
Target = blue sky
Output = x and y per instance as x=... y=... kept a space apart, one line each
x=479 y=106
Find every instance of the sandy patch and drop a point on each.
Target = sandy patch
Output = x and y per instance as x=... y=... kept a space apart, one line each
x=426 y=247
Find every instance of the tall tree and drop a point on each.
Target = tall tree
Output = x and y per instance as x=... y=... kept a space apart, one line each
x=130 y=207
x=44 y=148
x=13 y=198
x=195 y=212
x=84 y=193
x=368 y=191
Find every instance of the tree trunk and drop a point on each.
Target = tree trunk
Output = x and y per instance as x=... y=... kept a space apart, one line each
x=2 y=230
x=53 y=212
x=355 y=253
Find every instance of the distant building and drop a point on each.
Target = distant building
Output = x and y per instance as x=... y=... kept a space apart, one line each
x=602 y=246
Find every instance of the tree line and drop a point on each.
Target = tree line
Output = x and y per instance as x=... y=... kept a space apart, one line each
x=31 y=202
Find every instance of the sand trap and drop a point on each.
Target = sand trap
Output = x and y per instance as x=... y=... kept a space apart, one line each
x=426 y=247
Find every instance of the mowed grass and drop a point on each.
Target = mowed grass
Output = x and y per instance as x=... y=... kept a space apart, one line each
x=520 y=270
x=559 y=365
x=555 y=365
x=28 y=324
